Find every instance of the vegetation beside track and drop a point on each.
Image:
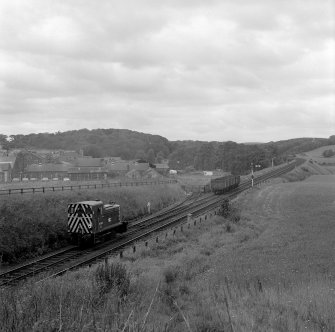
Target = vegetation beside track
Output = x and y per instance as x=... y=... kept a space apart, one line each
x=306 y=170
x=268 y=270
x=34 y=224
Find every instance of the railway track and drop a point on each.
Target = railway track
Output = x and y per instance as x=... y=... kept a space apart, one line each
x=72 y=257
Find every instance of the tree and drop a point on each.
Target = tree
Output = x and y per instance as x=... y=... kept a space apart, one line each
x=328 y=153
x=93 y=150
x=140 y=154
x=160 y=157
x=151 y=156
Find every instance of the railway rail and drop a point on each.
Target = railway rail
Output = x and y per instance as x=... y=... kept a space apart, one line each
x=71 y=257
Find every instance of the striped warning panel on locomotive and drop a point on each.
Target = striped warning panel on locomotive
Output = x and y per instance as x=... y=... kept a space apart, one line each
x=79 y=218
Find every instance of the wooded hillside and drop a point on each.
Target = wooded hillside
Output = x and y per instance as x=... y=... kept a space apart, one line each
x=198 y=155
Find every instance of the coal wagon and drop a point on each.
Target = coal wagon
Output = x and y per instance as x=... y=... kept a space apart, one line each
x=91 y=221
x=224 y=184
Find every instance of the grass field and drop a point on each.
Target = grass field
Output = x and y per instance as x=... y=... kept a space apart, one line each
x=273 y=270
x=317 y=156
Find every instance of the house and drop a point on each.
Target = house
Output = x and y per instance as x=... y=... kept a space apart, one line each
x=139 y=166
x=138 y=170
x=87 y=173
x=8 y=159
x=162 y=168
x=50 y=171
x=118 y=168
x=89 y=162
x=208 y=173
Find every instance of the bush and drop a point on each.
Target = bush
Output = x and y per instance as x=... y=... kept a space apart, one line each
x=230 y=212
x=113 y=276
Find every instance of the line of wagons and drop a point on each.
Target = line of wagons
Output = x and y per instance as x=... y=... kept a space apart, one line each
x=92 y=221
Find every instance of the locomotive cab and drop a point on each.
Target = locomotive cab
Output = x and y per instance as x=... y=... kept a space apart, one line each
x=90 y=220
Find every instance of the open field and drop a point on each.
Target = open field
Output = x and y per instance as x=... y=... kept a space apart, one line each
x=306 y=170
x=272 y=270
x=317 y=156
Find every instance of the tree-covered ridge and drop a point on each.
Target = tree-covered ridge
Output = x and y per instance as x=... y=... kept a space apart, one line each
x=199 y=155
x=97 y=142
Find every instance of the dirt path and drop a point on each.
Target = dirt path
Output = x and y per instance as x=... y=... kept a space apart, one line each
x=298 y=238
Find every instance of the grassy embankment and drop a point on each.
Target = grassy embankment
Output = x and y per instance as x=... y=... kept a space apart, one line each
x=34 y=224
x=272 y=270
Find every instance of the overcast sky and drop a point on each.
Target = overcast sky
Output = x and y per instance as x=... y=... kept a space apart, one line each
x=238 y=70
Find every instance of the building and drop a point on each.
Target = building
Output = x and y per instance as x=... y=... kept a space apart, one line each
x=50 y=171
x=87 y=173
x=162 y=169
x=5 y=172
x=118 y=169
x=89 y=162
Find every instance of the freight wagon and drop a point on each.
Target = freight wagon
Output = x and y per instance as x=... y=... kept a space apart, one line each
x=224 y=184
x=91 y=221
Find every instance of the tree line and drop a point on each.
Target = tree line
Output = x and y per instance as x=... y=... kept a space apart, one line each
x=192 y=155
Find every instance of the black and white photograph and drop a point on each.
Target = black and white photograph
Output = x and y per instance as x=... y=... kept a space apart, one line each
x=167 y=165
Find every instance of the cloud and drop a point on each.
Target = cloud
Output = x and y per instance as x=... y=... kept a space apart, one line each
x=213 y=70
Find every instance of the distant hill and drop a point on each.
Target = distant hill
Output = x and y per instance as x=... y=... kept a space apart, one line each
x=200 y=155
x=124 y=143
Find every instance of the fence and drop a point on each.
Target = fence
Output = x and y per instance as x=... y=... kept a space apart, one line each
x=82 y=186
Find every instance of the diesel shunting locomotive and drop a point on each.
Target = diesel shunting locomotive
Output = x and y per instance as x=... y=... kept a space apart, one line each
x=91 y=221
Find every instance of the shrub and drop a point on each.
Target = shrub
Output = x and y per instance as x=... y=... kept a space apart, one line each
x=113 y=276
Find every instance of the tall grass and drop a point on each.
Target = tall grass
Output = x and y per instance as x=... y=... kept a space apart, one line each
x=164 y=289
x=33 y=224
x=194 y=280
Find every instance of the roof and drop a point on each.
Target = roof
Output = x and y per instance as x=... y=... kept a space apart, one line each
x=162 y=166
x=47 y=168
x=140 y=166
x=6 y=160
x=89 y=162
x=85 y=170
x=118 y=167
x=5 y=167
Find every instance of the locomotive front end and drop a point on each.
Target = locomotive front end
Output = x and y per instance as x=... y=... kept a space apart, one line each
x=80 y=218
